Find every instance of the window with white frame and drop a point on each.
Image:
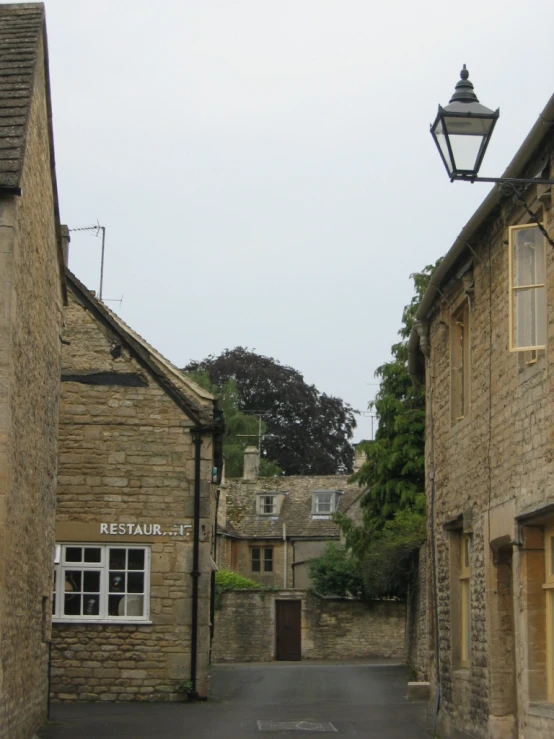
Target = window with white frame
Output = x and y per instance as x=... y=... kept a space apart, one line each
x=267 y=505
x=102 y=583
x=324 y=503
x=527 y=314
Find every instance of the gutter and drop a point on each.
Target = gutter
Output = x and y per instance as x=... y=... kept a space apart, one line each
x=533 y=139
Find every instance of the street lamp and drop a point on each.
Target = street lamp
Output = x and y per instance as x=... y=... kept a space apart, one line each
x=462 y=131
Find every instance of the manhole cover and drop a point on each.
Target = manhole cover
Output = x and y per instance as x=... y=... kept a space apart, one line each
x=295 y=726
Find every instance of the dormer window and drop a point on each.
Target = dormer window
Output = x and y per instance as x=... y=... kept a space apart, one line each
x=324 y=502
x=267 y=505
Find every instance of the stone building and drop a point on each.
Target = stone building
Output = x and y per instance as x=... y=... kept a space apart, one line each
x=32 y=294
x=270 y=528
x=486 y=334
x=139 y=451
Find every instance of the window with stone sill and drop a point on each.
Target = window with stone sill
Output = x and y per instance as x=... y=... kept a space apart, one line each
x=527 y=288
x=95 y=582
x=261 y=559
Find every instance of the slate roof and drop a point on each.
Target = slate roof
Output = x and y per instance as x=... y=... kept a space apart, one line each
x=296 y=510
x=197 y=403
x=20 y=29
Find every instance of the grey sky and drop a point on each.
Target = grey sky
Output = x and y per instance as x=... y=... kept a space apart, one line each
x=265 y=170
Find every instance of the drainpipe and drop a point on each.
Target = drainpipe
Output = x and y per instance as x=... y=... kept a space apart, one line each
x=286 y=557
x=195 y=574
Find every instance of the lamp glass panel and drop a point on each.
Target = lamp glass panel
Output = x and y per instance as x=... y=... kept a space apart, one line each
x=441 y=140
x=467 y=137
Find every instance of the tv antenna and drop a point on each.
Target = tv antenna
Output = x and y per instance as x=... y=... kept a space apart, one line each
x=97 y=228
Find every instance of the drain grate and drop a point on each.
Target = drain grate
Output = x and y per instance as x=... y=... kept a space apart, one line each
x=295 y=726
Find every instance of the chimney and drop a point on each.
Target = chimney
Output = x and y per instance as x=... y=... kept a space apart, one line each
x=66 y=238
x=251 y=463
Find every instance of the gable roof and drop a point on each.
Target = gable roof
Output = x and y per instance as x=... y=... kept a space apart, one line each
x=20 y=29
x=196 y=402
x=296 y=510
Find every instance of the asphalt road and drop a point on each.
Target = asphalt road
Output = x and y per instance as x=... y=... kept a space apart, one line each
x=271 y=700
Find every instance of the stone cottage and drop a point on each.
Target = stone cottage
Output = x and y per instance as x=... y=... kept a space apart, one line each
x=270 y=528
x=484 y=346
x=139 y=456
x=32 y=294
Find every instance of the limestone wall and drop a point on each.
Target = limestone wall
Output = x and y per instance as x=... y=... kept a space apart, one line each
x=127 y=457
x=490 y=467
x=30 y=327
x=331 y=629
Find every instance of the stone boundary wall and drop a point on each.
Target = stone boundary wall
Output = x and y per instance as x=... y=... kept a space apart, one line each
x=331 y=628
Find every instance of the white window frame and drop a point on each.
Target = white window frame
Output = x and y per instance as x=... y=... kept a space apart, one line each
x=534 y=285
x=62 y=565
x=262 y=504
x=317 y=502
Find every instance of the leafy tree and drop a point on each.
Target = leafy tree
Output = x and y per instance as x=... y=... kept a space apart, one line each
x=306 y=432
x=335 y=572
x=241 y=430
x=384 y=547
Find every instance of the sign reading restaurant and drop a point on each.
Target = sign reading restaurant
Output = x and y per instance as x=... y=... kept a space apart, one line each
x=141 y=529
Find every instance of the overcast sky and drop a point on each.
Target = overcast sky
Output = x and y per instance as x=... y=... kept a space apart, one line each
x=264 y=170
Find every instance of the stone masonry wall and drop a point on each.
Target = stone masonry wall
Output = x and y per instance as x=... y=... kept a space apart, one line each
x=490 y=467
x=30 y=327
x=331 y=629
x=417 y=615
x=126 y=455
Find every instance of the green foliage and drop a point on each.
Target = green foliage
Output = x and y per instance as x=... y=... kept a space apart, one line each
x=241 y=429
x=336 y=573
x=393 y=481
x=393 y=475
x=389 y=564
x=305 y=432
x=228 y=580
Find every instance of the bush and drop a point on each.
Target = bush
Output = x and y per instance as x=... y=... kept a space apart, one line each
x=336 y=573
x=226 y=580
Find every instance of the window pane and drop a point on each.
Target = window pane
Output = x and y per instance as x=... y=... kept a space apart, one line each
x=268 y=560
x=255 y=560
x=466 y=552
x=72 y=581
x=551 y=556
x=466 y=621
x=91 y=605
x=132 y=606
x=114 y=602
x=117 y=582
x=117 y=559
x=135 y=582
x=136 y=559
x=91 y=581
x=54 y=592
x=528 y=257
x=73 y=554
x=529 y=311
x=93 y=554
x=72 y=604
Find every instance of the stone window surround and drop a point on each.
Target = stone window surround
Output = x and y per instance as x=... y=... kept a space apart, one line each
x=457 y=532
x=264 y=556
x=532 y=540
x=60 y=566
x=528 y=350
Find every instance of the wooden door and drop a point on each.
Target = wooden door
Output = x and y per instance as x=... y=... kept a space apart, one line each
x=288 y=624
